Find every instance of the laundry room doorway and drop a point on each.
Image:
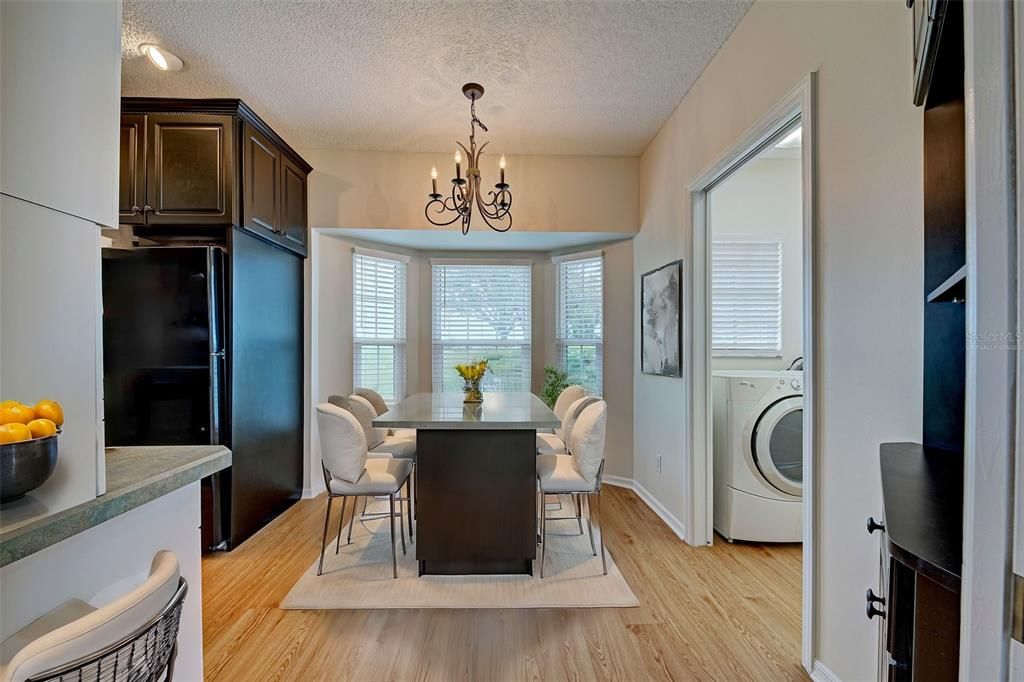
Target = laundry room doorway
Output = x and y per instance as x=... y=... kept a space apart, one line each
x=752 y=324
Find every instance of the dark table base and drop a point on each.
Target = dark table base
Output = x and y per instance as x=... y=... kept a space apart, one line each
x=476 y=501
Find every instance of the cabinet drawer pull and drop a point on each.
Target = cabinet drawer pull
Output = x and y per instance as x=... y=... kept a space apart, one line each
x=135 y=210
x=871 y=597
x=874 y=525
x=147 y=208
x=872 y=611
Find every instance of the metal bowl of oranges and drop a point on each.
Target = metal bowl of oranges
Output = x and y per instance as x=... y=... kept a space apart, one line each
x=28 y=446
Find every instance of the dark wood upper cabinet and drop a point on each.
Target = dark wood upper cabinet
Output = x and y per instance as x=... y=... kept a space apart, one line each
x=189 y=169
x=207 y=164
x=132 y=181
x=261 y=182
x=293 y=205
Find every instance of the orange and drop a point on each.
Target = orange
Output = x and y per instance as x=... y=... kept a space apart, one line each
x=19 y=414
x=49 y=409
x=10 y=403
x=41 y=428
x=14 y=432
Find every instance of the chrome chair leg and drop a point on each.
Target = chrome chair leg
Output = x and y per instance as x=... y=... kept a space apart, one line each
x=600 y=530
x=323 y=542
x=401 y=521
x=590 y=523
x=579 y=511
x=341 y=523
x=394 y=556
x=412 y=506
x=352 y=521
x=543 y=536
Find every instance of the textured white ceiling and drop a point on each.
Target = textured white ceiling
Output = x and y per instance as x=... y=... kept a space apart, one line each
x=562 y=76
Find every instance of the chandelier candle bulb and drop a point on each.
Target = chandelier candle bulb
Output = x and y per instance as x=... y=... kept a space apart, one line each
x=458 y=165
x=501 y=165
x=433 y=178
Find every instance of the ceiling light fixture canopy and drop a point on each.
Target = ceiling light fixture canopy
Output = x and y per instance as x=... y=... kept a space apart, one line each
x=496 y=209
x=161 y=58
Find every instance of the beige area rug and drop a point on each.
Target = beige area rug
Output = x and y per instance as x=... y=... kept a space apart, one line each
x=359 y=577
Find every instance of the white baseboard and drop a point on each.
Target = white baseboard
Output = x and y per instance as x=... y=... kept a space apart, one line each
x=821 y=673
x=657 y=507
x=307 y=494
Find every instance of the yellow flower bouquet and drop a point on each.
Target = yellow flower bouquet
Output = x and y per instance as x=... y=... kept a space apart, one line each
x=472 y=374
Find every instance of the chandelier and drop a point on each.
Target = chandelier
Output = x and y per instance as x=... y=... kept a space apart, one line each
x=496 y=208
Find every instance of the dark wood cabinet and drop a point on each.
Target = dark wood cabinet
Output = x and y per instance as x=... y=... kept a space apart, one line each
x=294 y=224
x=189 y=169
x=261 y=182
x=192 y=166
x=132 y=181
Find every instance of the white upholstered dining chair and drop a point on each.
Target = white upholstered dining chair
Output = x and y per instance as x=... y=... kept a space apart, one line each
x=578 y=475
x=380 y=406
x=349 y=471
x=557 y=443
x=567 y=397
x=380 y=444
x=132 y=638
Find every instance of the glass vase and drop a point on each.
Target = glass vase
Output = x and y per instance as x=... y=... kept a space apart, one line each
x=471 y=388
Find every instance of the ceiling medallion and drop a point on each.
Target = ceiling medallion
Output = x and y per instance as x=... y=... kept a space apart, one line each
x=496 y=209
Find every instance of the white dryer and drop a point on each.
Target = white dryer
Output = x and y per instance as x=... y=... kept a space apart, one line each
x=758 y=455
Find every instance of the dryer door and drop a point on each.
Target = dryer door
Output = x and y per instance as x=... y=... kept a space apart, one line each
x=777 y=444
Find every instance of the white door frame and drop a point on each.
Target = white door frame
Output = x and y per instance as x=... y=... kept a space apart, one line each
x=991 y=319
x=699 y=513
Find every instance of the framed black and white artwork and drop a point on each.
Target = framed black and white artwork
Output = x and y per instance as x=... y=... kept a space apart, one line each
x=661 y=320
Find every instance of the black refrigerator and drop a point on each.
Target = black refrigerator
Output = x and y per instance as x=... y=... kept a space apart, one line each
x=203 y=345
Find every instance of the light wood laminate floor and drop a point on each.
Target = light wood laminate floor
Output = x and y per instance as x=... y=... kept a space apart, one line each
x=727 y=612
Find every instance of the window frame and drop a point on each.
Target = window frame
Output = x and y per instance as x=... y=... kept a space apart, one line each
x=437 y=345
x=400 y=341
x=562 y=341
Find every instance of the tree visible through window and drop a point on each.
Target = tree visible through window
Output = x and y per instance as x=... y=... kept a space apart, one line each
x=482 y=311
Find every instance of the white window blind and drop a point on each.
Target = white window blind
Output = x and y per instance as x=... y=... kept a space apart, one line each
x=378 y=325
x=580 y=325
x=746 y=297
x=481 y=311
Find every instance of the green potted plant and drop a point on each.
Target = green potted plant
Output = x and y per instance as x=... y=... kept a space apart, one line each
x=555 y=381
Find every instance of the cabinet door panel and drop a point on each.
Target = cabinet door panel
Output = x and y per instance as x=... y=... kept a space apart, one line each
x=293 y=192
x=190 y=170
x=261 y=168
x=132 y=171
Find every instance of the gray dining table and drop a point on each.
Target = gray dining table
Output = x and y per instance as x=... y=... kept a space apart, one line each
x=476 y=505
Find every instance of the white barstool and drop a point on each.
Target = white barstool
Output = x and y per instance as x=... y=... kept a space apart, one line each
x=567 y=397
x=380 y=406
x=132 y=638
x=379 y=444
x=350 y=472
x=557 y=443
x=578 y=474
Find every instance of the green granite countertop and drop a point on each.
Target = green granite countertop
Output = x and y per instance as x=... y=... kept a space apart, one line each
x=135 y=476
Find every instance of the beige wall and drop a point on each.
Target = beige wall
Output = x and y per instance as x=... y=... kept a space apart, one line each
x=332 y=337
x=868 y=262
x=763 y=199
x=550 y=193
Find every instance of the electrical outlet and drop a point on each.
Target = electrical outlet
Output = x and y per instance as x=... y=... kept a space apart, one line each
x=657 y=462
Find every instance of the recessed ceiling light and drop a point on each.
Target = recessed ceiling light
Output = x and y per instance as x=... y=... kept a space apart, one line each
x=161 y=58
x=791 y=140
